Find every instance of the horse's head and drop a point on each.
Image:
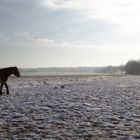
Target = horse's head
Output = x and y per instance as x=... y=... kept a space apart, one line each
x=16 y=71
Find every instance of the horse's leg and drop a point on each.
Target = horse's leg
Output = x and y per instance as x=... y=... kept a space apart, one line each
x=1 y=88
x=7 y=88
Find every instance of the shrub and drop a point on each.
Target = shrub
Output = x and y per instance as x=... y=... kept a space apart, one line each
x=132 y=67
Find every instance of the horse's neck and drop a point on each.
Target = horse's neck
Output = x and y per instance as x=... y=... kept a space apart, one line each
x=8 y=73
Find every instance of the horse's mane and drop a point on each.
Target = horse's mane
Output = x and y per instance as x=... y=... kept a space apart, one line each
x=9 y=68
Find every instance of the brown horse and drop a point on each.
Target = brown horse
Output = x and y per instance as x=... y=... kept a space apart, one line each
x=4 y=74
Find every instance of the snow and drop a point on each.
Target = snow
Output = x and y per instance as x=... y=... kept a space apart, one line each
x=71 y=107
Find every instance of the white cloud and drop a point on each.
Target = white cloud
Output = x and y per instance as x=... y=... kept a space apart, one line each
x=26 y=40
x=115 y=11
x=101 y=54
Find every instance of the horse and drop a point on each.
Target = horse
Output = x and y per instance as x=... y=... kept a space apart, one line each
x=4 y=74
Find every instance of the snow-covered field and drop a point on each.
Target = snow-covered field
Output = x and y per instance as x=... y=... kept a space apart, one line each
x=71 y=108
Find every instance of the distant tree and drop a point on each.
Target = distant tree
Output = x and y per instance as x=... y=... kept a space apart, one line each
x=110 y=69
x=132 y=67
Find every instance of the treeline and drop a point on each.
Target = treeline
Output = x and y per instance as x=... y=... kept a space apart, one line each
x=132 y=67
x=110 y=69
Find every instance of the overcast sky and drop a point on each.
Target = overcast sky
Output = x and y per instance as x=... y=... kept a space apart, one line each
x=69 y=33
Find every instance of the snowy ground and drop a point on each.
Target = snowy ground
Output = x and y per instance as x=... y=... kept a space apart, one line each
x=71 y=108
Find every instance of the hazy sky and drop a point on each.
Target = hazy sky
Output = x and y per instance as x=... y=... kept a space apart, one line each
x=48 y=33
